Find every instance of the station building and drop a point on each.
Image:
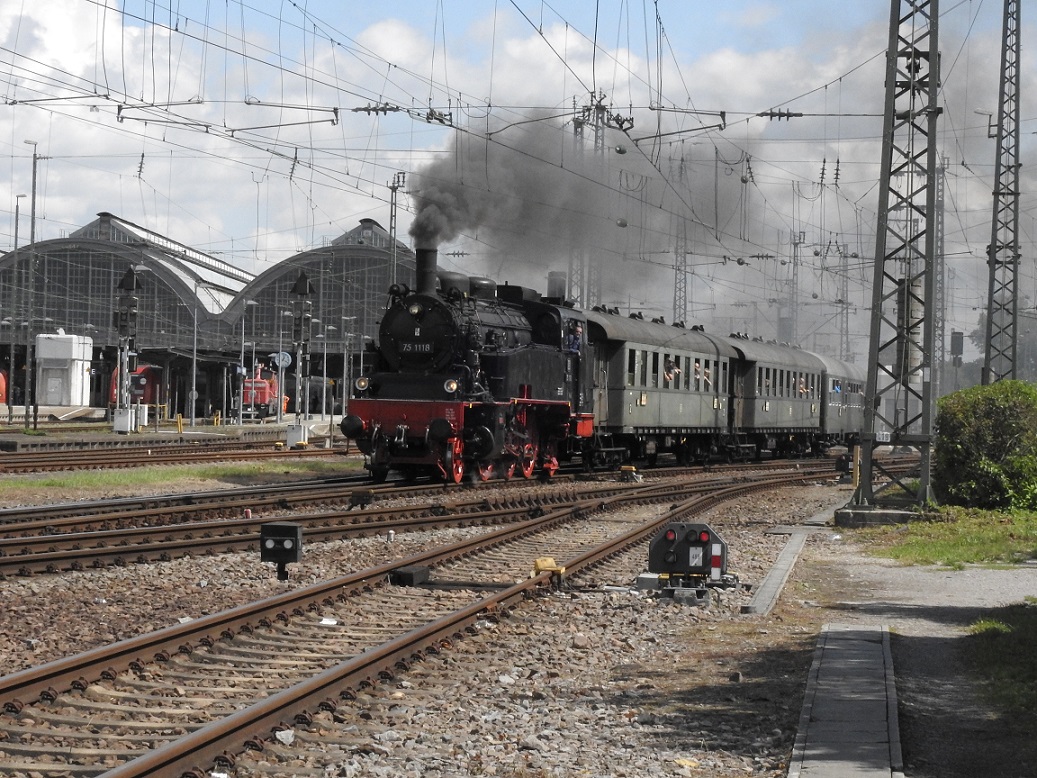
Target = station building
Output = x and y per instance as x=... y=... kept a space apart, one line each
x=202 y=323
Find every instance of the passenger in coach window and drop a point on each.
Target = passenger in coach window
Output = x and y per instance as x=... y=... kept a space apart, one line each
x=670 y=369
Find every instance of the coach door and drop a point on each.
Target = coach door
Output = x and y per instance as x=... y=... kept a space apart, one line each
x=743 y=392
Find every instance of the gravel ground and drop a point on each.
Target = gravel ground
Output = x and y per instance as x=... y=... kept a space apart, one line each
x=601 y=680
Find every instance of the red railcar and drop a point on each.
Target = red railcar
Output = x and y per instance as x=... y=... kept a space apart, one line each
x=145 y=383
x=260 y=395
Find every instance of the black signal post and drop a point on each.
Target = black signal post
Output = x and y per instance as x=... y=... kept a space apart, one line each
x=125 y=321
x=302 y=316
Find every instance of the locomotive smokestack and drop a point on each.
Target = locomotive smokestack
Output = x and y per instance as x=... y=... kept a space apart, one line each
x=426 y=266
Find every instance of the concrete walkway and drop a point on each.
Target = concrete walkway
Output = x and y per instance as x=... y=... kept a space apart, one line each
x=849 y=727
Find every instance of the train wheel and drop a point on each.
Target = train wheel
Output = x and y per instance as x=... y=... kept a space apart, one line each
x=528 y=462
x=454 y=462
x=379 y=474
x=507 y=469
x=485 y=471
x=550 y=466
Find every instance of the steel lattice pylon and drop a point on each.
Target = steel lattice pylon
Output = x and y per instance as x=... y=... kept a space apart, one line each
x=680 y=274
x=1003 y=251
x=940 y=271
x=898 y=398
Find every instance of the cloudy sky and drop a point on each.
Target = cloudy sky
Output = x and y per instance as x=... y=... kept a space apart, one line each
x=254 y=130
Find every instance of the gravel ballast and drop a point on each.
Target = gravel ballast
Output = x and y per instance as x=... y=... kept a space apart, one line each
x=597 y=680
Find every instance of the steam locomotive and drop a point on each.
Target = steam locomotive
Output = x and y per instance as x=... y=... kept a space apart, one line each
x=493 y=380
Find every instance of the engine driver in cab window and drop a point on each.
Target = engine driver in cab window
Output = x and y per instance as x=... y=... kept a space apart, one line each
x=574 y=340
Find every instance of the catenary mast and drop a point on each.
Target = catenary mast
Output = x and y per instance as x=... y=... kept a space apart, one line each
x=898 y=402
x=1003 y=252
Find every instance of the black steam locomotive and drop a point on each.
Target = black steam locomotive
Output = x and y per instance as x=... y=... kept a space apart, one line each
x=472 y=377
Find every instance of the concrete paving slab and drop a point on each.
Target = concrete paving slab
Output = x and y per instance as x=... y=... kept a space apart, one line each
x=829 y=710
x=848 y=726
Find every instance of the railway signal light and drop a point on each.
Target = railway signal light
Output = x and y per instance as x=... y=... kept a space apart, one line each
x=688 y=555
x=280 y=542
x=125 y=316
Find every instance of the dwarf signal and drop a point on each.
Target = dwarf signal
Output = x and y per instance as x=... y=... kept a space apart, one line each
x=687 y=556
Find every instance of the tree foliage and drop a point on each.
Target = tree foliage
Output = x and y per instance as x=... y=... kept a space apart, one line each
x=985 y=453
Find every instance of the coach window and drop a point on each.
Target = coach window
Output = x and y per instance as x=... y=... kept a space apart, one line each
x=644 y=368
x=631 y=366
x=656 y=375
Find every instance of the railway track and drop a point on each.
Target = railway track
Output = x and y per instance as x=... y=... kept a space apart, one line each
x=180 y=507
x=200 y=695
x=58 y=545
x=54 y=539
x=110 y=458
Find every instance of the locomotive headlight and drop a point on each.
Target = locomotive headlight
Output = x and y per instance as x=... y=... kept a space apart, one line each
x=450 y=385
x=415 y=310
x=362 y=383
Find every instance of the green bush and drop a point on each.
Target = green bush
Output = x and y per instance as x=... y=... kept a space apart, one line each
x=985 y=453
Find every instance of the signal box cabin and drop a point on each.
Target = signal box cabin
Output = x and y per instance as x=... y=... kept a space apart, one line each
x=63 y=370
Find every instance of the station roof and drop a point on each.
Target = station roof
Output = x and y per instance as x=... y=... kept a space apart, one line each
x=217 y=282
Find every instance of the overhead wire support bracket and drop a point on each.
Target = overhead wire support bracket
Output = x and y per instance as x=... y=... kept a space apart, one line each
x=35 y=100
x=721 y=125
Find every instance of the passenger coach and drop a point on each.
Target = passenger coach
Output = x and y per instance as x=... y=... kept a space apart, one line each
x=661 y=388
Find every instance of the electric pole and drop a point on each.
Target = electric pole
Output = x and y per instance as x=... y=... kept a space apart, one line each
x=898 y=401
x=1003 y=251
x=397 y=183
